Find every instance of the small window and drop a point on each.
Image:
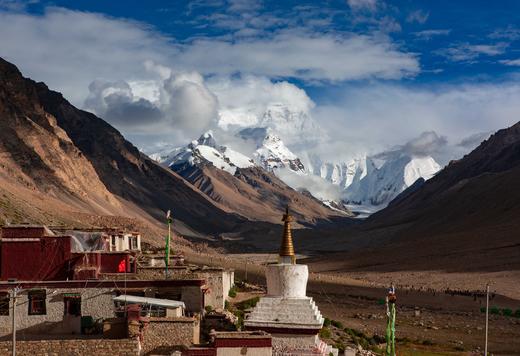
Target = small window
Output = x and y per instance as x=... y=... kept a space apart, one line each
x=4 y=304
x=37 y=302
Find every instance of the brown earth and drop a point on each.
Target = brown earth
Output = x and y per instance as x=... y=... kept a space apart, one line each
x=256 y=194
x=447 y=323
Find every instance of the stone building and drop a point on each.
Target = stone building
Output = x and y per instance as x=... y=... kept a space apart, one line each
x=122 y=240
x=44 y=308
x=38 y=254
x=292 y=318
x=218 y=281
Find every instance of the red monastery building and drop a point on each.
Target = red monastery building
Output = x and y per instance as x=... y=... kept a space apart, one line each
x=36 y=253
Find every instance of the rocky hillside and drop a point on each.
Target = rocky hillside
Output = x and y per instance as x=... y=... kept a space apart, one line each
x=58 y=160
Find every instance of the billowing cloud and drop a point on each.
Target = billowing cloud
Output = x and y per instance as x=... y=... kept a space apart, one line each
x=303 y=55
x=180 y=102
x=189 y=103
x=426 y=144
x=69 y=49
x=472 y=141
x=317 y=186
x=116 y=102
x=375 y=118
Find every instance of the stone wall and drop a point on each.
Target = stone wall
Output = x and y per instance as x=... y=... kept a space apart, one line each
x=75 y=347
x=95 y=302
x=161 y=335
x=219 y=281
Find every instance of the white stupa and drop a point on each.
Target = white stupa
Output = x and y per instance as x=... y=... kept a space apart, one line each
x=292 y=318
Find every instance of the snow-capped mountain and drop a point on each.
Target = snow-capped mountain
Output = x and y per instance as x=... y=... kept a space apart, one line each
x=385 y=176
x=368 y=182
x=205 y=149
x=271 y=152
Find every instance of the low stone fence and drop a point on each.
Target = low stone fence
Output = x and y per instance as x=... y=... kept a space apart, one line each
x=163 y=335
x=75 y=347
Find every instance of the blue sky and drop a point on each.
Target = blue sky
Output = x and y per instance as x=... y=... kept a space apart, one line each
x=382 y=71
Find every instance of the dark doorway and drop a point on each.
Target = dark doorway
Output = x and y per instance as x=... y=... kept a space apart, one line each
x=72 y=305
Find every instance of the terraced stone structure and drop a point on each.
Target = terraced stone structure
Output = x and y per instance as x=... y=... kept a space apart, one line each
x=286 y=312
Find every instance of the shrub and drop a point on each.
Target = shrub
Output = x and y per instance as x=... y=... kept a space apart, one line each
x=233 y=292
x=428 y=343
x=208 y=308
x=507 y=312
x=247 y=304
x=325 y=333
x=326 y=322
x=340 y=346
x=337 y=324
x=494 y=310
x=517 y=313
x=482 y=309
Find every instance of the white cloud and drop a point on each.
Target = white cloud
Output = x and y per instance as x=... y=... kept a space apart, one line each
x=317 y=186
x=16 y=5
x=303 y=55
x=180 y=102
x=251 y=101
x=357 y=5
x=429 y=34
x=511 y=62
x=418 y=16
x=427 y=143
x=69 y=49
x=468 y=52
x=244 y=5
x=509 y=33
x=374 y=118
x=472 y=141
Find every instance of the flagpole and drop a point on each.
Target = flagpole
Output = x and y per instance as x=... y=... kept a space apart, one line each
x=487 y=320
x=167 y=249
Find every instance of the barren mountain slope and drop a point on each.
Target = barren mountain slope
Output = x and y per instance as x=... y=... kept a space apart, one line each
x=83 y=164
x=255 y=193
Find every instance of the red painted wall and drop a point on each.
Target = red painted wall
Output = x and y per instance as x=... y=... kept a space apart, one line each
x=46 y=259
x=110 y=262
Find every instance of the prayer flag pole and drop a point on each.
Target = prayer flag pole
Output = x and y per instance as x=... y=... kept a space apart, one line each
x=168 y=238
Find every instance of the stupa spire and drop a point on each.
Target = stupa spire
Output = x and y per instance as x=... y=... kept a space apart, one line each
x=287 y=247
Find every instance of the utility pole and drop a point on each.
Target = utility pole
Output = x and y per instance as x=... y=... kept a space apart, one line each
x=487 y=320
x=13 y=320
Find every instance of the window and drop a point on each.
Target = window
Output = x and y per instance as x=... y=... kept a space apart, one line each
x=72 y=304
x=4 y=304
x=132 y=242
x=37 y=302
